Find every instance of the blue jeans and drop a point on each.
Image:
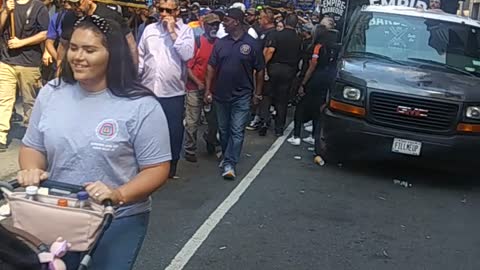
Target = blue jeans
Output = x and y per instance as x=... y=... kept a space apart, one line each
x=119 y=247
x=232 y=119
x=173 y=108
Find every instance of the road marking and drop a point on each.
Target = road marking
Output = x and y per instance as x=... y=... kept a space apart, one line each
x=191 y=247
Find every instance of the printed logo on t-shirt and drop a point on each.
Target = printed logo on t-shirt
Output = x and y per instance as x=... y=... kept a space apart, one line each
x=107 y=129
x=245 y=49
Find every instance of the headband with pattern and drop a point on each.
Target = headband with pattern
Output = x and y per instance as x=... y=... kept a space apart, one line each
x=98 y=21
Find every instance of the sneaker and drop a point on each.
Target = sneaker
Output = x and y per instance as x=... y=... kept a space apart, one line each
x=309 y=128
x=228 y=173
x=309 y=140
x=210 y=147
x=294 y=141
x=263 y=131
x=191 y=158
x=255 y=123
x=3 y=147
x=16 y=117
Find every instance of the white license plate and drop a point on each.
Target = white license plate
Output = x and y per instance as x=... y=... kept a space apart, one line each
x=407 y=147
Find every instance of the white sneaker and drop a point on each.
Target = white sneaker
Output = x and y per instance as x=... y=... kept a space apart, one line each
x=255 y=123
x=309 y=140
x=294 y=141
x=309 y=129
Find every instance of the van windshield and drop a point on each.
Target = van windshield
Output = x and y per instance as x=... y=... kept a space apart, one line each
x=410 y=40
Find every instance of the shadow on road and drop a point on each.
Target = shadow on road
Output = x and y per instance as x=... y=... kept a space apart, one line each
x=427 y=175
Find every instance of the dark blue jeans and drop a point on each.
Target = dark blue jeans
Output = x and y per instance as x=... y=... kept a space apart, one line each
x=174 y=107
x=232 y=119
x=119 y=247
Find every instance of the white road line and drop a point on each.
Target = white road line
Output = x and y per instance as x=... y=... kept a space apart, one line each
x=187 y=252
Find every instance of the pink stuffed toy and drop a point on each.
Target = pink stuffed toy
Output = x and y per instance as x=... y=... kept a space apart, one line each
x=57 y=250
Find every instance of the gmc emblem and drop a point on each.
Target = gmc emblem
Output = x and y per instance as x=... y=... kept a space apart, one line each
x=413 y=112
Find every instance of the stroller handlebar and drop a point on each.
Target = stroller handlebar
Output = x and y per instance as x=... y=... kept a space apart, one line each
x=51 y=185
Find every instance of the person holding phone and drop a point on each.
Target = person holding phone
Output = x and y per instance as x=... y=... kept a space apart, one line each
x=164 y=50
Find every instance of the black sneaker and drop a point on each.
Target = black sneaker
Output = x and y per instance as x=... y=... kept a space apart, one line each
x=210 y=147
x=191 y=158
x=3 y=147
x=263 y=131
x=16 y=117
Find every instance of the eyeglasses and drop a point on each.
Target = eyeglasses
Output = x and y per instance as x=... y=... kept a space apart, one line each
x=168 y=10
x=214 y=24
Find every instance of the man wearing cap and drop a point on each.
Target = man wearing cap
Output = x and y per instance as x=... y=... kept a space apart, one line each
x=164 y=50
x=88 y=8
x=221 y=31
x=232 y=64
x=197 y=71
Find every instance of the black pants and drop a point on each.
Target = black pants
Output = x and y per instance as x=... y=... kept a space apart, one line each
x=307 y=109
x=278 y=92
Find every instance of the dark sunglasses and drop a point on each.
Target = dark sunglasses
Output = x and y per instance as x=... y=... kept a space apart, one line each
x=214 y=24
x=168 y=10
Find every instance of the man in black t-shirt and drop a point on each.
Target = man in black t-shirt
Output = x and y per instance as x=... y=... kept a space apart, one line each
x=262 y=111
x=21 y=57
x=282 y=54
x=88 y=7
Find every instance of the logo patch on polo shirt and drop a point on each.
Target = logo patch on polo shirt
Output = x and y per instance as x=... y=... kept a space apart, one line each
x=245 y=49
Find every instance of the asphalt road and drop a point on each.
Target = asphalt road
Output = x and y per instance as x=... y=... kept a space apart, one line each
x=296 y=215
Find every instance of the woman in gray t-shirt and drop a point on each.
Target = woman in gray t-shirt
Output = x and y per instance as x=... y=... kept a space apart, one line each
x=96 y=126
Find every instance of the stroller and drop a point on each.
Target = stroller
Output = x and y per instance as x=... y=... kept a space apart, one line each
x=35 y=224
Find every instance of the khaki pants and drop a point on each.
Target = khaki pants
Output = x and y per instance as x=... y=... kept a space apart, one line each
x=28 y=80
x=193 y=113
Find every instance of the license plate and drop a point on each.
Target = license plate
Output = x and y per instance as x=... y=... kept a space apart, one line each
x=406 y=147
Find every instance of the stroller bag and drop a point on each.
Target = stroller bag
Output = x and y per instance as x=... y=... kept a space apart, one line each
x=45 y=220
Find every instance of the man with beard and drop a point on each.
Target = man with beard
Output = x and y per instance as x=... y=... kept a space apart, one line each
x=232 y=65
x=197 y=70
x=87 y=8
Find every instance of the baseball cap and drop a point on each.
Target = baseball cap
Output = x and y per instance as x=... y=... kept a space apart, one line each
x=211 y=18
x=195 y=4
x=236 y=14
x=239 y=5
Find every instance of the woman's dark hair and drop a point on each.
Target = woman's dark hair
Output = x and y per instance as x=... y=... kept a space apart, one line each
x=122 y=75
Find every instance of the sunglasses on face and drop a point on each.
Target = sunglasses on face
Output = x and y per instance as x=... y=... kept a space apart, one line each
x=214 y=24
x=168 y=10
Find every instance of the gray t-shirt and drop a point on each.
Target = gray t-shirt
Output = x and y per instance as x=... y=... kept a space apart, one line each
x=97 y=136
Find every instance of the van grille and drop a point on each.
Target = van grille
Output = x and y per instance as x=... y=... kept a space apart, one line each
x=441 y=116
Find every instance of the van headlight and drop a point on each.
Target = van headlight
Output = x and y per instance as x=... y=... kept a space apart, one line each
x=473 y=112
x=352 y=93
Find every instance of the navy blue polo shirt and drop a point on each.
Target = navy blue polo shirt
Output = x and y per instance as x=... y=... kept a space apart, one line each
x=234 y=62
